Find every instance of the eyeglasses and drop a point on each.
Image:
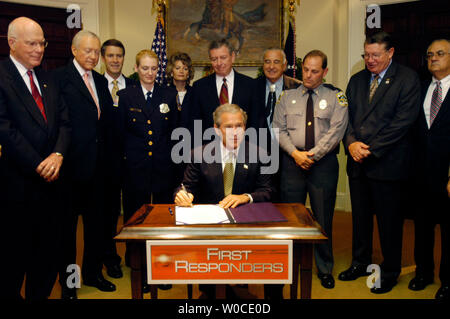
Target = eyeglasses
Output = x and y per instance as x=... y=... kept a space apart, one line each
x=375 y=56
x=439 y=54
x=35 y=44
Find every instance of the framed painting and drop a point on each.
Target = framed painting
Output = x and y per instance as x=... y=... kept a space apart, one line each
x=250 y=25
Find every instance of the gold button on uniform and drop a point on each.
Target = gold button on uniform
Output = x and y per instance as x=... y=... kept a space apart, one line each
x=149 y=122
x=150 y=132
x=150 y=153
x=134 y=120
x=150 y=143
x=309 y=123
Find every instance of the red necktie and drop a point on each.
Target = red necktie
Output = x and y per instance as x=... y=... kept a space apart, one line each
x=223 y=98
x=36 y=96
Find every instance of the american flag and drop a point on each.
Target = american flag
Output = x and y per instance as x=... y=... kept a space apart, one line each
x=159 y=47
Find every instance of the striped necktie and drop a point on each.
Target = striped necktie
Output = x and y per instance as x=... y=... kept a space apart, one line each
x=436 y=101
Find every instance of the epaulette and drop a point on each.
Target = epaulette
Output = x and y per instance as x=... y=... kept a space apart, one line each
x=331 y=87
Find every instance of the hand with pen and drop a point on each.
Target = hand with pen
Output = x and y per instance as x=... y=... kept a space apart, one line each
x=184 y=198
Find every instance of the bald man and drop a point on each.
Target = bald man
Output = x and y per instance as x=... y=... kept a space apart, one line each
x=34 y=134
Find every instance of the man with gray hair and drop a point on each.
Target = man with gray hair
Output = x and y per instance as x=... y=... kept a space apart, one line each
x=90 y=105
x=431 y=171
x=35 y=135
x=225 y=85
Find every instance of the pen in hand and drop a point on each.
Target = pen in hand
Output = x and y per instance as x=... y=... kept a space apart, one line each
x=183 y=188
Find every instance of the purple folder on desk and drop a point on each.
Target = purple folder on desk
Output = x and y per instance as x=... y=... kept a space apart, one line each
x=256 y=213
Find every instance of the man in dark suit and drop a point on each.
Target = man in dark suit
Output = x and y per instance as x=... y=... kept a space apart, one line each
x=225 y=85
x=35 y=134
x=222 y=171
x=90 y=105
x=113 y=55
x=383 y=104
x=431 y=171
x=273 y=80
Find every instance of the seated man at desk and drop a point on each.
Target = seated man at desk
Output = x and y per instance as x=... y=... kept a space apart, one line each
x=223 y=172
x=227 y=171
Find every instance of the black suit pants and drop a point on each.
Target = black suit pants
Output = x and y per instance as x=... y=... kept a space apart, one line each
x=85 y=198
x=30 y=237
x=433 y=209
x=384 y=199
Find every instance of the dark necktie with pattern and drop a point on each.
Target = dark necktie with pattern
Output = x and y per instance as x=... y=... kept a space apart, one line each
x=270 y=106
x=373 y=87
x=436 y=101
x=309 y=125
x=223 y=98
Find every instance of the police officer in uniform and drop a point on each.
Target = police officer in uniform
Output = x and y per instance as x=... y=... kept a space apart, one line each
x=312 y=120
x=148 y=114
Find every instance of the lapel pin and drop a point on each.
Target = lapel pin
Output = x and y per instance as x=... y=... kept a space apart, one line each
x=245 y=166
x=45 y=85
x=388 y=80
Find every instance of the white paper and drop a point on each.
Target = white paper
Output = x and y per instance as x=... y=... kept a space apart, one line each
x=200 y=214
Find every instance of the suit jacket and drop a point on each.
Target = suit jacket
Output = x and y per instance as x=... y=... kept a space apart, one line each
x=144 y=137
x=206 y=99
x=258 y=117
x=205 y=180
x=432 y=145
x=91 y=137
x=384 y=124
x=25 y=137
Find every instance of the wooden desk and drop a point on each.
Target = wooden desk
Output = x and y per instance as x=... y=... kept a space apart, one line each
x=301 y=228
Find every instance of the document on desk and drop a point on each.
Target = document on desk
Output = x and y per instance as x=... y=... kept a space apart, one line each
x=201 y=214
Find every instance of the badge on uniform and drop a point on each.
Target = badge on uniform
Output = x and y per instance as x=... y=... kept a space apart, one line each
x=388 y=81
x=164 y=108
x=342 y=99
x=323 y=104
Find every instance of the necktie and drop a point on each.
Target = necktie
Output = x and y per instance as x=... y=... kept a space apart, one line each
x=373 y=87
x=309 y=127
x=148 y=101
x=436 y=101
x=223 y=98
x=36 y=96
x=114 y=91
x=228 y=176
x=270 y=106
x=91 y=90
x=178 y=102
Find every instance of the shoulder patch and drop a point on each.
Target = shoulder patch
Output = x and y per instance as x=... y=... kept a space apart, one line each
x=342 y=99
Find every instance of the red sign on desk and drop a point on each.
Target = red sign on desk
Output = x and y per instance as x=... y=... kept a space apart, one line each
x=219 y=261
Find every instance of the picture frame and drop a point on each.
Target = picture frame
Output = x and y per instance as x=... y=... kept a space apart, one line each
x=250 y=25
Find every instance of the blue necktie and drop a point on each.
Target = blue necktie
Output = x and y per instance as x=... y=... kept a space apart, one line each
x=148 y=101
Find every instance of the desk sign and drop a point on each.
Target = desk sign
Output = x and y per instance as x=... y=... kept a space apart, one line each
x=219 y=261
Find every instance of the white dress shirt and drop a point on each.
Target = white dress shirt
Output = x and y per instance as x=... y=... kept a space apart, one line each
x=445 y=84
x=23 y=73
